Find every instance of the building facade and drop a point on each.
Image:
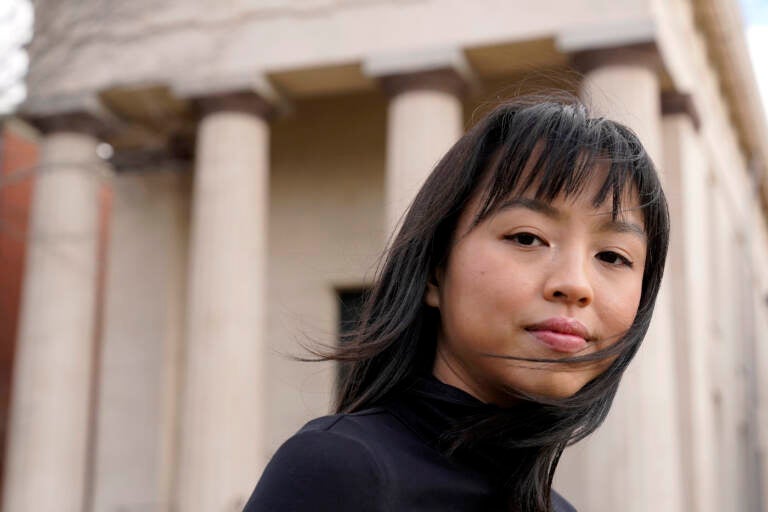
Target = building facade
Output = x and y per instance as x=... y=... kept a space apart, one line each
x=256 y=156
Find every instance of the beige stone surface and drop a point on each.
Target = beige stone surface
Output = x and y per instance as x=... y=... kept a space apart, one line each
x=326 y=229
x=421 y=126
x=139 y=385
x=177 y=41
x=629 y=93
x=760 y=304
x=684 y=49
x=687 y=182
x=224 y=393
x=49 y=416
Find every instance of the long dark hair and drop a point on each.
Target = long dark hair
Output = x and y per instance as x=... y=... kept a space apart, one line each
x=396 y=338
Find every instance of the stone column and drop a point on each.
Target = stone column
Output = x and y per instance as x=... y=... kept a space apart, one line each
x=223 y=405
x=689 y=270
x=50 y=405
x=623 y=84
x=425 y=119
x=637 y=450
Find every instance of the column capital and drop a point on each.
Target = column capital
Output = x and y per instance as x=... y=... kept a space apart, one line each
x=249 y=93
x=600 y=44
x=680 y=103
x=446 y=80
x=83 y=121
x=641 y=54
x=79 y=112
x=442 y=69
x=235 y=101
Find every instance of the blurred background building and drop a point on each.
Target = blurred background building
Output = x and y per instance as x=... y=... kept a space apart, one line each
x=194 y=188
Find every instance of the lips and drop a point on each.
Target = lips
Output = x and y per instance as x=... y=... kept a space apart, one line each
x=560 y=334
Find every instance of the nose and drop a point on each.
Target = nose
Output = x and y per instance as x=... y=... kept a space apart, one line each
x=569 y=281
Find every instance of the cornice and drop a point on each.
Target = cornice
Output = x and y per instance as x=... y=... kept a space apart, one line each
x=721 y=24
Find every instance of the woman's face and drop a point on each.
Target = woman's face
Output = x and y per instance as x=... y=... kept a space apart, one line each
x=536 y=280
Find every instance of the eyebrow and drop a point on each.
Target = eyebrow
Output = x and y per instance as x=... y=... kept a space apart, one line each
x=621 y=226
x=532 y=204
x=539 y=206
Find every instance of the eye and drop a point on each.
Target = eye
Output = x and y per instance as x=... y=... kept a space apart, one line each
x=614 y=258
x=525 y=239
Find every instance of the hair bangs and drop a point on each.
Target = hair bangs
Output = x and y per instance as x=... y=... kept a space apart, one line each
x=553 y=150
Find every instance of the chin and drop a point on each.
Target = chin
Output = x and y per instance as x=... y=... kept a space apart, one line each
x=556 y=386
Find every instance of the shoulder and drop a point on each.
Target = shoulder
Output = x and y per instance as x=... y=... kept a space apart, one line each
x=327 y=465
x=336 y=438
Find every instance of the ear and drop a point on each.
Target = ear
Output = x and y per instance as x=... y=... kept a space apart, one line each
x=432 y=293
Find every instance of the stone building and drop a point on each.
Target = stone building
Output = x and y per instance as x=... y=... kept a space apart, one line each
x=256 y=154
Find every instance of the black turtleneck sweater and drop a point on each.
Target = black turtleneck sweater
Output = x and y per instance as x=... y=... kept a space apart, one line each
x=385 y=458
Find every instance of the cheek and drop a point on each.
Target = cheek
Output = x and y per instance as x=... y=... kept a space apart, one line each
x=466 y=295
x=620 y=310
x=483 y=296
x=488 y=283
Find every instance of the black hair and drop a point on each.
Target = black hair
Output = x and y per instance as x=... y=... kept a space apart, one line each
x=396 y=338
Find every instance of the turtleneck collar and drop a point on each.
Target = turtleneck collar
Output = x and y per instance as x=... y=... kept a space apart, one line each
x=432 y=408
x=436 y=412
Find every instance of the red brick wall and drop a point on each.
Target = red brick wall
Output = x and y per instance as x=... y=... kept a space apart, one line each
x=18 y=157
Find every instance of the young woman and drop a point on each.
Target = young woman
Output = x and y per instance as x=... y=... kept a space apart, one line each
x=514 y=296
